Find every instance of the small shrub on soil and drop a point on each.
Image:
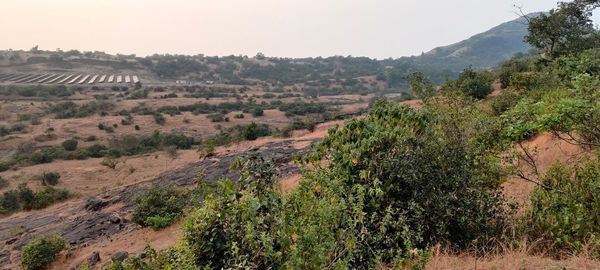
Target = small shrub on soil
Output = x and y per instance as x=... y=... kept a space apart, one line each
x=70 y=145
x=49 y=178
x=158 y=207
x=109 y=162
x=39 y=253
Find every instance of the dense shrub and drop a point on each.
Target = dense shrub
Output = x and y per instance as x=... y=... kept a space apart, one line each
x=159 y=119
x=24 y=198
x=39 y=253
x=35 y=90
x=564 y=213
x=216 y=117
x=256 y=112
x=471 y=83
x=236 y=225
x=297 y=125
x=292 y=109
x=49 y=178
x=70 y=145
x=504 y=101
x=158 y=207
x=407 y=179
x=253 y=131
x=69 y=109
x=109 y=163
x=398 y=181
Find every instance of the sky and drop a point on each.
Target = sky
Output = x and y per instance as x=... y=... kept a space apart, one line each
x=282 y=28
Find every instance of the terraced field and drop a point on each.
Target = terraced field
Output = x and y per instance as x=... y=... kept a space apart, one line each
x=64 y=78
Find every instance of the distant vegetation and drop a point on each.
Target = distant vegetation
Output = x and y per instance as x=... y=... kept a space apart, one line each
x=484 y=50
x=23 y=198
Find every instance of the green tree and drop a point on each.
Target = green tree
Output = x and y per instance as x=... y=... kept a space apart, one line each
x=471 y=83
x=421 y=86
x=564 y=30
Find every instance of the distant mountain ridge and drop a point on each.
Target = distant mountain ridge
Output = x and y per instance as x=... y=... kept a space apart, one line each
x=487 y=49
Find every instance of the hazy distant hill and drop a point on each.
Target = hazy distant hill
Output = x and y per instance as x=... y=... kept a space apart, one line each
x=484 y=50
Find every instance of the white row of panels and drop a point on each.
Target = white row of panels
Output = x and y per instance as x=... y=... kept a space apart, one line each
x=49 y=78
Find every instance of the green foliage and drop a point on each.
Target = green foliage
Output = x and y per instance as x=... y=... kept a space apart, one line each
x=39 y=253
x=70 y=145
x=69 y=109
x=49 y=178
x=158 y=207
x=179 y=257
x=253 y=131
x=471 y=83
x=257 y=112
x=443 y=192
x=216 y=117
x=236 y=226
x=25 y=198
x=565 y=214
x=420 y=85
x=292 y=109
x=297 y=125
x=361 y=210
x=567 y=29
x=159 y=119
x=30 y=91
x=109 y=163
x=505 y=101
x=561 y=111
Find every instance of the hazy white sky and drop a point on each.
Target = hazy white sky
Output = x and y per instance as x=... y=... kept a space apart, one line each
x=291 y=28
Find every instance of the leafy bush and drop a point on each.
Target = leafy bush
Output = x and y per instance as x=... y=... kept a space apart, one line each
x=256 y=112
x=9 y=202
x=177 y=257
x=402 y=179
x=49 y=178
x=69 y=109
x=362 y=210
x=39 y=253
x=253 y=131
x=24 y=198
x=297 y=125
x=216 y=117
x=471 y=83
x=236 y=225
x=564 y=211
x=109 y=162
x=70 y=145
x=46 y=197
x=159 y=119
x=504 y=101
x=158 y=207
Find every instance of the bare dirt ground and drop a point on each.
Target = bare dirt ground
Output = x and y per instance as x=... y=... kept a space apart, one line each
x=547 y=149
x=510 y=260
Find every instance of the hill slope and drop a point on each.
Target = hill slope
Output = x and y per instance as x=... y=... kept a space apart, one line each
x=487 y=49
x=481 y=51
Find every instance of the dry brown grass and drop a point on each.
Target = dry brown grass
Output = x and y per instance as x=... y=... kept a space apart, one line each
x=519 y=258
